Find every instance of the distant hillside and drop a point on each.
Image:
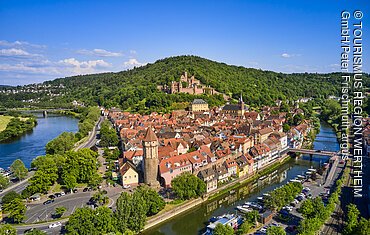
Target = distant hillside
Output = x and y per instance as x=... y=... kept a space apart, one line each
x=136 y=89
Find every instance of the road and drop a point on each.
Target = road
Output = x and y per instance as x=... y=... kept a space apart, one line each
x=39 y=212
x=19 y=186
x=92 y=138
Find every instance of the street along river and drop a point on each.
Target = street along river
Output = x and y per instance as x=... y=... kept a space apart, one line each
x=194 y=221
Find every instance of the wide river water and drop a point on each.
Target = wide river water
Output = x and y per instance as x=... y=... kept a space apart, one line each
x=32 y=144
x=194 y=221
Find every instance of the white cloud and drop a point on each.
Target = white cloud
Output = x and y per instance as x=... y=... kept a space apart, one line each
x=132 y=52
x=99 y=52
x=5 y=43
x=66 y=67
x=83 y=67
x=132 y=63
x=14 y=52
x=286 y=55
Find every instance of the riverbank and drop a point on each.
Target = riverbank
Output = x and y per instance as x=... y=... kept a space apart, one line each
x=186 y=206
x=15 y=126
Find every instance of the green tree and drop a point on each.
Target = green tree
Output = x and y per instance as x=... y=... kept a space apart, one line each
x=221 y=229
x=108 y=136
x=16 y=210
x=18 y=169
x=154 y=203
x=61 y=144
x=130 y=212
x=188 y=186
x=100 y=198
x=59 y=211
x=7 y=229
x=86 y=221
x=244 y=228
x=275 y=230
x=9 y=197
x=4 y=181
x=352 y=219
x=363 y=227
x=69 y=181
x=35 y=231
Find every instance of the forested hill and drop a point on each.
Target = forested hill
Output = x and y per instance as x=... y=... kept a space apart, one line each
x=136 y=89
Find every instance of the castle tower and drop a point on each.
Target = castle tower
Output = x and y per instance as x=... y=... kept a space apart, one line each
x=150 y=147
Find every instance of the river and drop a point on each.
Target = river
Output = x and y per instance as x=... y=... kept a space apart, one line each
x=194 y=221
x=32 y=143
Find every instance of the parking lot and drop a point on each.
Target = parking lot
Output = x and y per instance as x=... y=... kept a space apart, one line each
x=320 y=187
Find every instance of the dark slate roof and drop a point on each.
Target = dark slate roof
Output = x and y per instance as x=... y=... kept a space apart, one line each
x=199 y=101
x=231 y=107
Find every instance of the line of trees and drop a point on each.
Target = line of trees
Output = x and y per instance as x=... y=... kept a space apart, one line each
x=68 y=169
x=315 y=213
x=355 y=224
x=129 y=217
x=282 y=196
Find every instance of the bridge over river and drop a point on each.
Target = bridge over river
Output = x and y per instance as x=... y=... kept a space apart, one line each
x=314 y=152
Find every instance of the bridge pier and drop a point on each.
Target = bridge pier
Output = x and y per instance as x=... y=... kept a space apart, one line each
x=45 y=113
x=311 y=155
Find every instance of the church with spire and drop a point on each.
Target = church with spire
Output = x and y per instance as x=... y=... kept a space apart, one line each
x=150 y=159
x=238 y=109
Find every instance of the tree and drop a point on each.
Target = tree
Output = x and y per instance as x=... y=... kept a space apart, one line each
x=188 y=186
x=100 y=197
x=130 y=212
x=9 y=197
x=18 y=169
x=275 y=230
x=363 y=227
x=87 y=221
x=108 y=136
x=16 y=210
x=7 y=229
x=154 y=203
x=35 y=231
x=221 y=229
x=59 y=211
x=69 y=181
x=252 y=217
x=4 y=181
x=352 y=219
x=244 y=228
x=61 y=144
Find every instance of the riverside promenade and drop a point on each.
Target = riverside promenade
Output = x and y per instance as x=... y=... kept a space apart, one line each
x=162 y=217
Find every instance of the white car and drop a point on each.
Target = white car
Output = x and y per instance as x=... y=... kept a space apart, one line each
x=126 y=186
x=55 y=225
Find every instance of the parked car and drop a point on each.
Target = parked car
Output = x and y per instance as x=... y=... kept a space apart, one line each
x=55 y=225
x=85 y=189
x=52 y=196
x=75 y=190
x=62 y=193
x=48 y=201
x=126 y=186
x=58 y=195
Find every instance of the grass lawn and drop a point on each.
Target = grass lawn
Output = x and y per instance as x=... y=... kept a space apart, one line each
x=4 y=120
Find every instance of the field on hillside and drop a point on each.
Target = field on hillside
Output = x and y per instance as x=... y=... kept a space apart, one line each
x=4 y=120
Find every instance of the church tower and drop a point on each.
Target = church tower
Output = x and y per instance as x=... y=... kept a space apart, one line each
x=150 y=147
x=241 y=105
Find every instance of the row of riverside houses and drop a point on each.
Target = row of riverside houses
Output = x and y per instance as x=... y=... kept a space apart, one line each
x=214 y=145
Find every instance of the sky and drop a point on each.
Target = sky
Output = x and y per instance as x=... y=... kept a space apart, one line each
x=44 y=40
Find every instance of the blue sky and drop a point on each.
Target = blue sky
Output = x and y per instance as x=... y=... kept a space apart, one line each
x=43 y=40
